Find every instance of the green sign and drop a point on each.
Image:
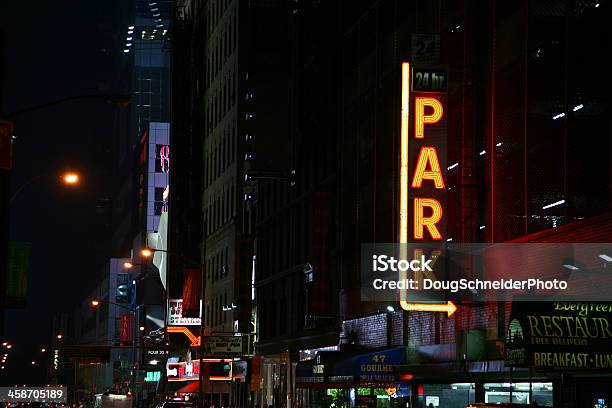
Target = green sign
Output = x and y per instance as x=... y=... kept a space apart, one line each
x=153 y=376
x=559 y=335
x=17 y=276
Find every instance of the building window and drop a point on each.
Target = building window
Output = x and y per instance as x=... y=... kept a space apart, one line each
x=225 y=303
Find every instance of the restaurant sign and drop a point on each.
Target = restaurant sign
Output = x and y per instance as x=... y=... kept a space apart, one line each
x=570 y=335
x=379 y=366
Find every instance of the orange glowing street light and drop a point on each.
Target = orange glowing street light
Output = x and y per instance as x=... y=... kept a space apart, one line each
x=59 y=336
x=70 y=178
x=95 y=302
x=128 y=265
x=146 y=252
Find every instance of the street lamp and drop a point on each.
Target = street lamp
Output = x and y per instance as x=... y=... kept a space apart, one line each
x=42 y=350
x=71 y=178
x=60 y=336
x=95 y=303
x=146 y=252
x=68 y=178
x=121 y=101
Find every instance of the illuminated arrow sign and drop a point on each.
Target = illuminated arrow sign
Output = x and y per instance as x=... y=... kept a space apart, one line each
x=427 y=211
x=449 y=308
x=195 y=340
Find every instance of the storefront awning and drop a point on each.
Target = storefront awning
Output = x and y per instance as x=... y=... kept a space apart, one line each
x=191 y=387
x=342 y=369
x=494 y=370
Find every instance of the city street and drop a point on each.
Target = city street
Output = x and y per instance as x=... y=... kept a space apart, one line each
x=305 y=203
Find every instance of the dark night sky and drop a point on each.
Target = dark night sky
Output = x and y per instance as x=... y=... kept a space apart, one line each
x=53 y=50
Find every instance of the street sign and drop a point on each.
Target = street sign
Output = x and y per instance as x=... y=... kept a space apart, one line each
x=6 y=145
x=429 y=79
x=175 y=314
x=153 y=356
x=126 y=332
x=223 y=346
x=426 y=48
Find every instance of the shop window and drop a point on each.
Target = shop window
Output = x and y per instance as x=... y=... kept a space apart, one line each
x=457 y=395
x=542 y=393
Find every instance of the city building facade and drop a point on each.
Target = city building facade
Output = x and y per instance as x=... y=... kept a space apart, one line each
x=505 y=181
x=229 y=93
x=296 y=108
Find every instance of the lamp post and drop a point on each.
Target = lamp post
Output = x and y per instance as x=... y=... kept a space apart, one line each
x=118 y=100
x=6 y=136
x=69 y=179
x=95 y=303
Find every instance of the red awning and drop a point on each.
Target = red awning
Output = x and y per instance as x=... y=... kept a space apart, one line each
x=190 y=388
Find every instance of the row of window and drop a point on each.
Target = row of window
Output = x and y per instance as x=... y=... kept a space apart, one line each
x=216 y=10
x=217 y=266
x=274 y=195
x=276 y=313
x=285 y=242
x=221 y=101
x=220 y=209
x=215 y=315
x=220 y=155
x=221 y=47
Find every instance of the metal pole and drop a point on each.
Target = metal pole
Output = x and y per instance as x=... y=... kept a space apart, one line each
x=119 y=100
x=97 y=324
x=75 y=382
x=164 y=378
x=136 y=332
x=202 y=289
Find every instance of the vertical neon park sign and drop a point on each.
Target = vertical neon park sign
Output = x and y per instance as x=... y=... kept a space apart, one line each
x=427 y=212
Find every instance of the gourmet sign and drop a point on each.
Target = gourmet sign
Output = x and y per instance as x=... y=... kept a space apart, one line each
x=379 y=366
x=560 y=335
